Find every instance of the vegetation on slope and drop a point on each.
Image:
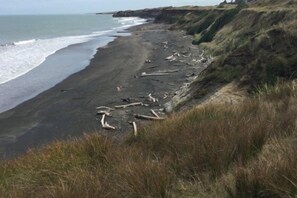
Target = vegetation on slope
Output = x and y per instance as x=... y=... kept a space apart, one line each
x=241 y=151
x=252 y=44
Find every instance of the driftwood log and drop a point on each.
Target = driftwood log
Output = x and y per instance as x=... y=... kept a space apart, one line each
x=159 y=73
x=134 y=128
x=105 y=108
x=152 y=99
x=105 y=125
x=104 y=113
x=129 y=105
x=154 y=113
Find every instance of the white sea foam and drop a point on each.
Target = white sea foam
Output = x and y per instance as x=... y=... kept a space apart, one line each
x=23 y=56
x=24 y=42
x=20 y=57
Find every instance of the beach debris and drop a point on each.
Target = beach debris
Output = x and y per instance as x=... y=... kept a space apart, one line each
x=173 y=57
x=170 y=57
x=165 y=96
x=134 y=128
x=152 y=99
x=105 y=108
x=119 y=88
x=104 y=113
x=148 y=61
x=165 y=44
x=176 y=54
x=145 y=117
x=159 y=73
x=105 y=125
x=154 y=113
x=202 y=60
x=187 y=56
x=129 y=105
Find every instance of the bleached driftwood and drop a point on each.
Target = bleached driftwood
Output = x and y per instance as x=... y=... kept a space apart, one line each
x=165 y=96
x=159 y=73
x=105 y=108
x=176 y=54
x=145 y=117
x=104 y=113
x=154 y=113
x=105 y=125
x=129 y=105
x=134 y=128
x=144 y=74
x=170 y=57
x=187 y=56
x=152 y=99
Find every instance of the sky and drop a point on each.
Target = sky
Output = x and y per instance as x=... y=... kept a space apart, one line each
x=9 y=7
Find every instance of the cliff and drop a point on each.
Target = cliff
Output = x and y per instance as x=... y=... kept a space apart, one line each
x=145 y=13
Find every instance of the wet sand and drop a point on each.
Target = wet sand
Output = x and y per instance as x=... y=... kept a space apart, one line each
x=68 y=110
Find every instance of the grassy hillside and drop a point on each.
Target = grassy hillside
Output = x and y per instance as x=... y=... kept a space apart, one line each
x=252 y=44
x=246 y=150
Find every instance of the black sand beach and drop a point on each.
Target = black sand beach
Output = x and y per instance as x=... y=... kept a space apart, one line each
x=68 y=110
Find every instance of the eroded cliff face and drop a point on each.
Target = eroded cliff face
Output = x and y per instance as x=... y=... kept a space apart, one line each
x=145 y=13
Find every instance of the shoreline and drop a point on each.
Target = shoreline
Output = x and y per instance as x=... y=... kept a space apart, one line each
x=57 y=67
x=68 y=110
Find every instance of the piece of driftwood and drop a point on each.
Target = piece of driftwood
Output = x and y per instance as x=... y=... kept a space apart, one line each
x=152 y=99
x=169 y=57
x=145 y=117
x=165 y=96
x=144 y=74
x=119 y=88
x=105 y=125
x=129 y=105
x=105 y=108
x=176 y=54
x=104 y=113
x=159 y=73
x=134 y=128
x=154 y=113
x=187 y=56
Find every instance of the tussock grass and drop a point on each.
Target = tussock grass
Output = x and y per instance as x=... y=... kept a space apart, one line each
x=209 y=151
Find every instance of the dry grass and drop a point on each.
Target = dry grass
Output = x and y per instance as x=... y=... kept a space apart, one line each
x=213 y=151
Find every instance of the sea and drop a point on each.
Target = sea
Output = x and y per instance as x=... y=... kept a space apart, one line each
x=37 y=52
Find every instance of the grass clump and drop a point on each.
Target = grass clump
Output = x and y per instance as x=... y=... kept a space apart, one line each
x=276 y=177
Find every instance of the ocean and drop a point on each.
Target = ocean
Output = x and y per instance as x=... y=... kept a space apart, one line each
x=37 y=52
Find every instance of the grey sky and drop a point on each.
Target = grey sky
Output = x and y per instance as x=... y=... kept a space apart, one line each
x=88 y=6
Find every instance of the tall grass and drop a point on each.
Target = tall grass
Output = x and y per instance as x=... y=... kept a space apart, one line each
x=188 y=154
